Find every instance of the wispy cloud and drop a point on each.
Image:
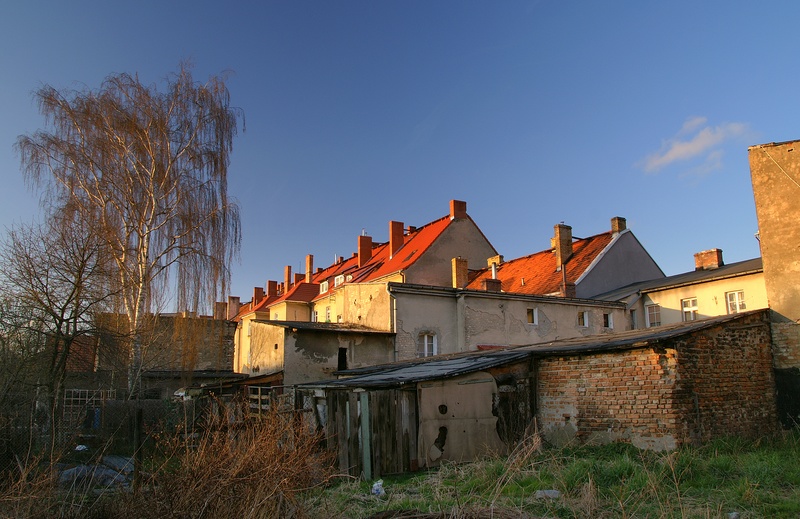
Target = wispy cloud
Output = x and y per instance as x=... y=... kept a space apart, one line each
x=695 y=140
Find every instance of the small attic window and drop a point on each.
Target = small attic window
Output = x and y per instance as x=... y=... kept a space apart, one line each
x=338 y=280
x=533 y=316
x=323 y=287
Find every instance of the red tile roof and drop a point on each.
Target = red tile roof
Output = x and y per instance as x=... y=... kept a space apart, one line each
x=537 y=273
x=304 y=292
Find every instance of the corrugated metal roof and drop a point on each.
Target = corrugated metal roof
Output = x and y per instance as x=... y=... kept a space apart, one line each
x=448 y=366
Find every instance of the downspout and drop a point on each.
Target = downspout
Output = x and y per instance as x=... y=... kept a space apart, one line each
x=393 y=319
x=461 y=324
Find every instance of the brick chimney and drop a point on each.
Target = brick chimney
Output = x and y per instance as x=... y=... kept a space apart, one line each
x=287 y=278
x=568 y=289
x=562 y=243
x=309 y=267
x=299 y=278
x=460 y=272
x=494 y=260
x=458 y=209
x=492 y=285
x=396 y=237
x=233 y=306
x=618 y=224
x=364 y=249
x=708 y=259
x=258 y=295
x=272 y=288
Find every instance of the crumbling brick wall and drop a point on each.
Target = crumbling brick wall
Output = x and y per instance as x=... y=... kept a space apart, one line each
x=710 y=383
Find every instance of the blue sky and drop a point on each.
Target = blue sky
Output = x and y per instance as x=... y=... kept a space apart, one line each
x=535 y=113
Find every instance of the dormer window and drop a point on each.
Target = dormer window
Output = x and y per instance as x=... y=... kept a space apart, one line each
x=323 y=287
x=338 y=280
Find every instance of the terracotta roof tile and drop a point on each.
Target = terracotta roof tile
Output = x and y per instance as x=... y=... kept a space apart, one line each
x=537 y=274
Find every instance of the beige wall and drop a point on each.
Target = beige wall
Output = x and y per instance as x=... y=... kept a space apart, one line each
x=260 y=356
x=241 y=356
x=711 y=298
x=464 y=321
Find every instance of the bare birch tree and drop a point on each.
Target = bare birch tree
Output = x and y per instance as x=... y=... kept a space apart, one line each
x=146 y=171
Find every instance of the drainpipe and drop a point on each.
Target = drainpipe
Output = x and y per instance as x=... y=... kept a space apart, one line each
x=393 y=319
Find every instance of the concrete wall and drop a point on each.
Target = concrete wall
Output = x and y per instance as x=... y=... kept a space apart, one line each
x=265 y=352
x=713 y=383
x=711 y=299
x=623 y=263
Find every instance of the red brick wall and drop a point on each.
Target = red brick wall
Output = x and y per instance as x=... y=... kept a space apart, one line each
x=711 y=383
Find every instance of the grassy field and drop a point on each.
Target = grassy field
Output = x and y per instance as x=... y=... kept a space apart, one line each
x=722 y=479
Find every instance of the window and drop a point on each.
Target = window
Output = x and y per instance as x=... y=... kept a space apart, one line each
x=327 y=314
x=653 y=315
x=634 y=325
x=314 y=316
x=583 y=319
x=426 y=344
x=533 y=316
x=735 y=302
x=689 y=309
x=248 y=329
x=608 y=321
x=323 y=287
x=338 y=280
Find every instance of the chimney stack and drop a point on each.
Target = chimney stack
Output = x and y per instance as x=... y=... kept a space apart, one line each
x=272 y=288
x=458 y=209
x=492 y=285
x=396 y=237
x=220 y=309
x=364 y=250
x=618 y=224
x=708 y=259
x=309 y=267
x=287 y=277
x=233 y=306
x=460 y=272
x=299 y=278
x=258 y=295
x=562 y=243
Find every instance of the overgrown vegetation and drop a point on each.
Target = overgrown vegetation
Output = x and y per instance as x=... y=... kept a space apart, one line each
x=752 y=478
x=276 y=468
x=254 y=469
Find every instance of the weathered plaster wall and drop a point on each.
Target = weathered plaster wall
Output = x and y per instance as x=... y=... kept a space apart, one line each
x=366 y=304
x=625 y=262
x=462 y=238
x=312 y=356
x=456 y=422
x=265 y=349
x=433 y=312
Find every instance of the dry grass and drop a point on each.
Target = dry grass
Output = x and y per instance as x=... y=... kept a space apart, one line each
x=253 y=470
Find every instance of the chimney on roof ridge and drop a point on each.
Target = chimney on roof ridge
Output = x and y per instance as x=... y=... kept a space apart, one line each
x=562 y=243
x=412 y=228
x=708 y=259
x=258 y=295
x=494 y=260
x=460 y=272
x=396 y=238
x=364 y=249
x=458 y=209
x=287 y=277
x=618 y=224
x=272 y=288
x=309 y=267
x=299 y=278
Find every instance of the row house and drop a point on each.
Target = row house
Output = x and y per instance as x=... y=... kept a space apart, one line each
x=440 y=288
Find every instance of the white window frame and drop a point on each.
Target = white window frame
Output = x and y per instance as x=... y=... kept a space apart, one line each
x=338 y=280
x=583 y=319
x=608 y=320
x=314 y=316
x=327 y=314
x=323 y=287
x=735 y=301
x=647 y=315
x=427 y=344
x=689 y=309
x=533 y=316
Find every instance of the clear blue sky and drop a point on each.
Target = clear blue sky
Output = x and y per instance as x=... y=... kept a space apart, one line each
x=363 y=112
